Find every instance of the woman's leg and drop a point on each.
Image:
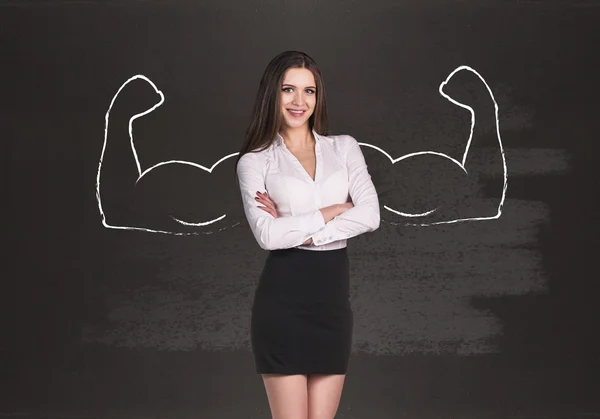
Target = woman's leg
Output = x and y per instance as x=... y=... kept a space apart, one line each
x=324 y=394
x=287 y=395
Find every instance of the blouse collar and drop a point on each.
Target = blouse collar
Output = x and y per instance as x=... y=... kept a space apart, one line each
x=279 y=139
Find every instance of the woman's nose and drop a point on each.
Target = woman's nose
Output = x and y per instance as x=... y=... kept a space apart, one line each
x=298 y=99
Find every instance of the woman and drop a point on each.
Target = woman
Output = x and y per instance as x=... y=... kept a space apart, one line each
x=304 y=194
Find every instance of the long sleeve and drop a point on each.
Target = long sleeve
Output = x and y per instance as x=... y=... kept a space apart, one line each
x=364 y=216
x=272 y=233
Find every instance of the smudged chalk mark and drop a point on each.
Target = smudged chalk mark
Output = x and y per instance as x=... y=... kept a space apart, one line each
x=408 y=296
x=523 y=161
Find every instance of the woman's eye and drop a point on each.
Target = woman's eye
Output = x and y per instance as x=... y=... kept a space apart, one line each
x=289 y=90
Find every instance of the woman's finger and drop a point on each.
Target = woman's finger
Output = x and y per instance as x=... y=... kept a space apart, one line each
x=269 y=211
x=267 y=202
x=263 y=201
x=270 y=204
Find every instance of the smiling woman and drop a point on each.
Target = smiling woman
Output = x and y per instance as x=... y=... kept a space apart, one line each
x=305 y=193
x=272 y=95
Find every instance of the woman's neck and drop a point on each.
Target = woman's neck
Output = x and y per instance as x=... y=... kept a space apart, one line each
x=297 y=138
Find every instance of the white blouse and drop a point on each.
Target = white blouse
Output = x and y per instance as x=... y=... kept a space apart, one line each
x=341 y=173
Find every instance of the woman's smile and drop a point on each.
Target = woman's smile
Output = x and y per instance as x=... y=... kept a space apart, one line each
x=296 y=113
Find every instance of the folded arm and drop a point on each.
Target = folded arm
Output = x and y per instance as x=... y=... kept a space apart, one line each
x=272 y=233
x=364 y=216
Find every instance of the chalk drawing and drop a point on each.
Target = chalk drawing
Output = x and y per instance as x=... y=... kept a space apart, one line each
x=460 y=164
x=149 y=169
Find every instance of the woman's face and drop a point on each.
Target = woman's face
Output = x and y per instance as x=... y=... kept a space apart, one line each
x=298 y=97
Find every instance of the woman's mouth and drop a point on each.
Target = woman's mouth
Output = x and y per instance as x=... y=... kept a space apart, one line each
x=296 y=113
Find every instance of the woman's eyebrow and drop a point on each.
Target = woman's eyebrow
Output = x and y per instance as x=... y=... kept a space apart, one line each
x=291 y=85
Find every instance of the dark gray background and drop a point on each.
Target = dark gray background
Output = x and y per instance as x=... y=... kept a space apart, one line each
x=478 y=319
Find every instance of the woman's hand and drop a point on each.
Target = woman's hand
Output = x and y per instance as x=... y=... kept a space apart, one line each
x=346 y=206
x=332 y=211
x=328 y=212
x=269 y=206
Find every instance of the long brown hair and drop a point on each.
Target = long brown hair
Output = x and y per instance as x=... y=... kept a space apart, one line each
x=266 y=119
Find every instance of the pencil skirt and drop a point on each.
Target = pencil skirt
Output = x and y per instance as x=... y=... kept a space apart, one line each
x=302 y=320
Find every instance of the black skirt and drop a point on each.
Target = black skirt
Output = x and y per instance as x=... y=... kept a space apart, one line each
x=301 y=315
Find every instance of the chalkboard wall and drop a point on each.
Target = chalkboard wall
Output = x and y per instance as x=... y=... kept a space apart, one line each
x=129 y=266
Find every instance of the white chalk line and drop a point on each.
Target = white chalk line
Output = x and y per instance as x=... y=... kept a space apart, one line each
x=209 y=170
x=139 y=168
x=464 y=159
